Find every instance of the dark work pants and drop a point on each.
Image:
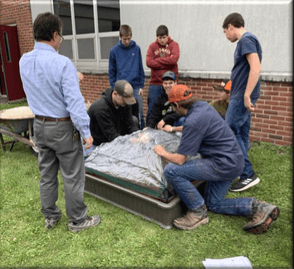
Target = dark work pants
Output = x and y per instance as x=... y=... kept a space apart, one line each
x=58 y=150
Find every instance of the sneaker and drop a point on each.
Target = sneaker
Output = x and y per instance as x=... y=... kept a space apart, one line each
x=51 y=222
x=193 y=219
x=245 y=183
x=89 y=222
x=264 y=215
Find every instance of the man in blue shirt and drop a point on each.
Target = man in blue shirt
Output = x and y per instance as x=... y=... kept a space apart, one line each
x=125 y=62
x=205 y=132
x=52 y=88
x=245 y=91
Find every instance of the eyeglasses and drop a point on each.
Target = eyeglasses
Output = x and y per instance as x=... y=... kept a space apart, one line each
x=61 y=38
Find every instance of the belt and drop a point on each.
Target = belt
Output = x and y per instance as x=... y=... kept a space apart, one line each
x=51 y=119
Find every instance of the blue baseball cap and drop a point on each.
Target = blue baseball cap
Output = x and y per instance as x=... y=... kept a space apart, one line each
x=169 y=75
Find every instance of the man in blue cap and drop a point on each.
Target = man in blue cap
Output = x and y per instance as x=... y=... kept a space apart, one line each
x=162 y=115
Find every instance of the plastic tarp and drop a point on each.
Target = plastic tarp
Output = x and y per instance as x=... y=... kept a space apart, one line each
x=130 y=160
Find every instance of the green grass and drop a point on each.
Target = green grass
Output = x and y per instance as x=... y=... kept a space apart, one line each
x=13 y=104
x=126 y=240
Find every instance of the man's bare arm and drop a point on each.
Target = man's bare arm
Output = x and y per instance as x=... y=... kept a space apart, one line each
x=172 y=157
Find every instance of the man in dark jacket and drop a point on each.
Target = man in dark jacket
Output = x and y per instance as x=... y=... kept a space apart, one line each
x=111 y=115
x=162 y=115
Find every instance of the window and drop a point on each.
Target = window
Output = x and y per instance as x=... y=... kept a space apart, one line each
x=90 y=29
x=108 y=16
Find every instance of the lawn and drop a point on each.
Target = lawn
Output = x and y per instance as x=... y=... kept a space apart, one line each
x=126 y=240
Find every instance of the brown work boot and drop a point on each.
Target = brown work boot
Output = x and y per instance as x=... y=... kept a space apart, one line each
x=193 y=219
x=264 y=214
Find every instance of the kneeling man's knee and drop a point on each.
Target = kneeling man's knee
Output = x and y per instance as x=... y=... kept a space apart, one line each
x=169 y=171
x=213 y=207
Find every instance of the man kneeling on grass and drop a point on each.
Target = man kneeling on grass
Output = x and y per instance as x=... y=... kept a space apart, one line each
x=222 y=161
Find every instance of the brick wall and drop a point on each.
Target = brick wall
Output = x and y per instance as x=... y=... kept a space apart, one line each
x=271 y=122
x=19 y=12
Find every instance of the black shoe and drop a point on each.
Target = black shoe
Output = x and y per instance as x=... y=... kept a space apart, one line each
x=245 y=183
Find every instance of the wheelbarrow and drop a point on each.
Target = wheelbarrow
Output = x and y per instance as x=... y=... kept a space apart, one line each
x=18 y=124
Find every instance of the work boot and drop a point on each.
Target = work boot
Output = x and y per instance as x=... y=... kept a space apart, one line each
x=263 y=216
x=193 y=219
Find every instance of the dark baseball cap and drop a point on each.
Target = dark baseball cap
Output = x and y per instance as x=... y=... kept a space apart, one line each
x=169 y=75
x=125 y=90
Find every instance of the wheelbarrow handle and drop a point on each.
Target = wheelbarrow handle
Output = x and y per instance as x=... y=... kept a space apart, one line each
x=17 y=136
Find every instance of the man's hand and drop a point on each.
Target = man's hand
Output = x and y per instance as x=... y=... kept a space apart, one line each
x=160 y=125
x=88 y=142
x=80 y=76
x=248 y=104
x=171 y=157
x=141 y=91
x=159 y=150
x=167 y=128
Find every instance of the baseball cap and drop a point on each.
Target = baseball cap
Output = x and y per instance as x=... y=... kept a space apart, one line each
x=179 y=93
x=225 y=85
x=169 y=75
x=125 y=89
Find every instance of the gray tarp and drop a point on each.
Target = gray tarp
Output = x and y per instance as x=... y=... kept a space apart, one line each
x=131 y=158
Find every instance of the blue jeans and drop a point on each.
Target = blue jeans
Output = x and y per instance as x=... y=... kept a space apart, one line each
x=180 y=121
x=153 y=92
x=140 y=101
x=239 y=119
x=180 y=177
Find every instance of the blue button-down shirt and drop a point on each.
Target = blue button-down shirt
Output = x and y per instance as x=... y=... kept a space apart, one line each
x=51 y=85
